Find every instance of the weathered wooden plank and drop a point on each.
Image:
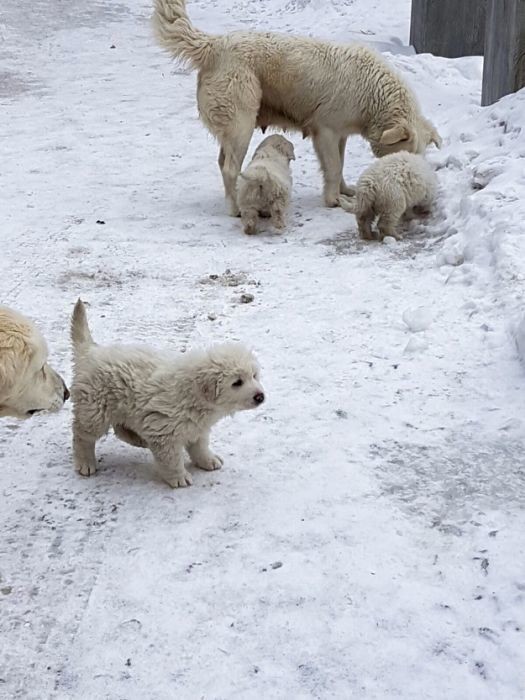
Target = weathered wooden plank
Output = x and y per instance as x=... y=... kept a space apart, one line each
x=504 y=65
x=450 y=28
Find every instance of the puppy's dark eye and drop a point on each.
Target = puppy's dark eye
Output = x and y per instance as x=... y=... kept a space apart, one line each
x=238 y=383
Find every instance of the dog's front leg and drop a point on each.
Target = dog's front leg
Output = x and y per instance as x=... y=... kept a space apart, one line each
x=343 y=187
x=169 y=457
x=201 y=455
x=326 y=144
x=84 y=450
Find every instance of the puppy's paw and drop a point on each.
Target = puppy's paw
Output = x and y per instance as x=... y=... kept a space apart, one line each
x=211 y=463
x=86 y=469
x=179 y=480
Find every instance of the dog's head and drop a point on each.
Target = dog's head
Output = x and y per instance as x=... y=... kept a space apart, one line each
x=278 y=143
x=229 y=380
x=402 y=136
x=28 y=385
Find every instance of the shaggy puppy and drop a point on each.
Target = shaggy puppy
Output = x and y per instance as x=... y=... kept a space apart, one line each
x=265 y=185
x=153 y=401
x=327 y=91
x=401 y=184
x=28 y=385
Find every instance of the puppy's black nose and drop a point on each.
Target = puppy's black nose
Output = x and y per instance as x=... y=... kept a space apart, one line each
x=259 y=397
x=66 y=393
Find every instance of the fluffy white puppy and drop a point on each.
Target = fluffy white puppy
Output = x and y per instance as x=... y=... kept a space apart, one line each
x=265 y=186
x=28 y=385
x=326 y=91
x=400 y=184
x=151 y=400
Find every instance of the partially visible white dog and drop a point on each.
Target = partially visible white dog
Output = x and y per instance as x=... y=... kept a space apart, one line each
x=326 y=91
x=28 y=385
x=400 y=184
x=265 y=186
x=151 y=400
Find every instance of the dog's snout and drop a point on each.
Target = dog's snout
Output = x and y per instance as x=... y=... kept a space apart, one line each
x=258 y=397
x=66 y=393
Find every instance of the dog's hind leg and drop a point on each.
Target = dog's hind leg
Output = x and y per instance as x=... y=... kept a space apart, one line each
x=201 y=455
x=326 y=144
x=343 y=187
x=169 y=457
x=278 y=217
x=364 y=225
x=249 y=219
x=234 y=146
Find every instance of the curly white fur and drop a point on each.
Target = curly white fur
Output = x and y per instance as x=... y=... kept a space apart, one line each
x=154 y=401
x=327 y=91
x=400 y=184
x=265 y=186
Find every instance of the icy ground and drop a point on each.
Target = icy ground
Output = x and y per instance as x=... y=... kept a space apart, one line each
x=365 y=538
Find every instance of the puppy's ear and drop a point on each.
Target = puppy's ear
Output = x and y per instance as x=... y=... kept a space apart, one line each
x=290 y=152
x=399 y=132
x=208 y=385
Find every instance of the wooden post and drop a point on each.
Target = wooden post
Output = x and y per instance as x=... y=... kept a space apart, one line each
x=504 y=65
x=450 y=28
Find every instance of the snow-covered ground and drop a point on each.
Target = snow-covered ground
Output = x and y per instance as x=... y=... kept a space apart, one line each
x=365 y=538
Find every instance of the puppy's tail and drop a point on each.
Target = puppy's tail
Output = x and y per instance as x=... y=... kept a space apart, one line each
x=259 y=175
x=348 y=203
x=176 y=34
x=80 y=334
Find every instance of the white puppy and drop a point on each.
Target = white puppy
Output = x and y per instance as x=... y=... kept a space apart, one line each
x=265 y=186
x=400 y=184
x=28 y=385
x=326 y=91
x=151 y=400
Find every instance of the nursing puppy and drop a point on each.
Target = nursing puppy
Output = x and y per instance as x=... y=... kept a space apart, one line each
x=401 y=184
x=28 y=385
x=264 y=188
x=151 y=400
x=326 y=91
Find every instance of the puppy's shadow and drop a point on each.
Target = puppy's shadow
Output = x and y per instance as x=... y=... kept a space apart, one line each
x=135 y=467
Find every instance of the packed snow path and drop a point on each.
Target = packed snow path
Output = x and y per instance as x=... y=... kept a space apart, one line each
x=365 y=536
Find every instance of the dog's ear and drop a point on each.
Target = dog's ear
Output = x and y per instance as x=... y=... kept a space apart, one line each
x=290 y=152
x=208 y=384
x=397 y=133
x=14 y=358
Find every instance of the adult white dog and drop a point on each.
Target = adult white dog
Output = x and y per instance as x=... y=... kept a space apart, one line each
x=327 y=91
x=151 y=400
x=264 y=187
x=28 y=385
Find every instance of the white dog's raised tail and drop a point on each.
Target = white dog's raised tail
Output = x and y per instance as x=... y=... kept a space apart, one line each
x=81 y=337
x=176 y=34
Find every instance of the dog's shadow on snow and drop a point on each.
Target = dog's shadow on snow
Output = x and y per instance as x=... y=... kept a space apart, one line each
x=135 y=468
x=416 y=238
